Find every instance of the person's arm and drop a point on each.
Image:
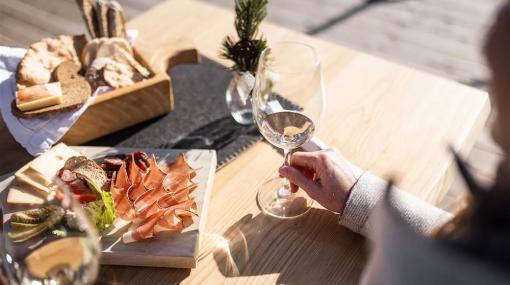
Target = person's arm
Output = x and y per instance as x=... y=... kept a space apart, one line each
x=341 y=187
x=368 y=191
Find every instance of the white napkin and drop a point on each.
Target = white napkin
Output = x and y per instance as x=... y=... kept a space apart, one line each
x=36 y=135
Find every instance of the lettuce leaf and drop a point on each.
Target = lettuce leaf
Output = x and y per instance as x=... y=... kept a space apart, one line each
x=101 y=211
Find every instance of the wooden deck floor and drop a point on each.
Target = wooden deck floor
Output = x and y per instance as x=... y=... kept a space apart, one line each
x=438 y=36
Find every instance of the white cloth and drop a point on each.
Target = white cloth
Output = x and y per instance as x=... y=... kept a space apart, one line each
x=36 y=135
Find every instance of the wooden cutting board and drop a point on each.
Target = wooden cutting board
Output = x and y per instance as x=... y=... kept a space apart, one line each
x=176 y=250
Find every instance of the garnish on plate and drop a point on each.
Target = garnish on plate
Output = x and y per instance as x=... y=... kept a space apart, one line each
x=87 y=182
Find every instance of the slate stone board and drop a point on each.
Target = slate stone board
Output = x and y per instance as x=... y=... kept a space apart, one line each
x=200 y=119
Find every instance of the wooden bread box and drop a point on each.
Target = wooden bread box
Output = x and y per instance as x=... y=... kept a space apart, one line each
x=125 y=107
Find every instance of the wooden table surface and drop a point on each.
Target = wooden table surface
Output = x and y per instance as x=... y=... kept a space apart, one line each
x=386 y=118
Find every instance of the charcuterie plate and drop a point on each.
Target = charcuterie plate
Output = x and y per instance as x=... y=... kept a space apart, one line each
x=177 y=249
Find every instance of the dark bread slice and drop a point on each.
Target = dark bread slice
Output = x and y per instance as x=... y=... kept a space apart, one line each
x=79 y=43
x=75 y=93
x=101 y=8
x=89 y=15
x=116 y=20
x=66 y=71
x=87 y=169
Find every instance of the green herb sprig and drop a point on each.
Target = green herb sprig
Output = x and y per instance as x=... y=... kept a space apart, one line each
x=246 y=51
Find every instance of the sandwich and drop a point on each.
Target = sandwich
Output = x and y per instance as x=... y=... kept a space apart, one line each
x=87 y=183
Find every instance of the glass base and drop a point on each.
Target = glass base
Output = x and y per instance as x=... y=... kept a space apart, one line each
x=275 y=202
x=243 y=117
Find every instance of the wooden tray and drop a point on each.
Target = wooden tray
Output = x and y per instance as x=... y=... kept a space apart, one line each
x=124 y=107
x=177 y=250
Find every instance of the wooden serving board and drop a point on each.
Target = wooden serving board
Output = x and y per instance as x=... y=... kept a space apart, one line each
x=144 y=100
x=176 y=250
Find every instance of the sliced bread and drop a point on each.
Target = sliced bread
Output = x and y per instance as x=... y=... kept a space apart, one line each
x=87 y=169
x=75 y=91
x=66 y=71
x=101 y=8
x=89 y=15
x=116 y=20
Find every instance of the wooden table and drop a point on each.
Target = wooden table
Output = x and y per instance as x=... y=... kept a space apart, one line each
x=384 y=117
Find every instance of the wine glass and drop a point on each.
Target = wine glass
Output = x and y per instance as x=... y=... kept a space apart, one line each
x=52 y=243
x=288 y=102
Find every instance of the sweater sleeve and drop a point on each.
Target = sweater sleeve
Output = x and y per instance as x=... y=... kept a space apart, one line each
x=367 y=192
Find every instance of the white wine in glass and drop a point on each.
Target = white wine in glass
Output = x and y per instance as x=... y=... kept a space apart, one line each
x=287 y=100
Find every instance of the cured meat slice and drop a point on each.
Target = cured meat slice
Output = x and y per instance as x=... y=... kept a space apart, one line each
x=156 y=197
x=142 y=231
x=123 y=207
x=135 y=191
x=145 y=199
x=176 y=181
x=154 y=177
x=122 y=179
x=177 y=218
x=180 y=165
x=175 y=198
x=148 y=211
x=134 y=172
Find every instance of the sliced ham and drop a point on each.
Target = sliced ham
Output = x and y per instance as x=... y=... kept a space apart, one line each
x=180 y=165
x=154 y=177
x=156 y=198
x=118 y=188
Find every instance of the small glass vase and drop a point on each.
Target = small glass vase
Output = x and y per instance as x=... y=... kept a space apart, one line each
x=238 y=97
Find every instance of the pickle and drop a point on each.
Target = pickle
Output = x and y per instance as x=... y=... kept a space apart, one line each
x=33 y=216
x=26 y=226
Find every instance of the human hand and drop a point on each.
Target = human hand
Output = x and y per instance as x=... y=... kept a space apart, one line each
x=326 y=176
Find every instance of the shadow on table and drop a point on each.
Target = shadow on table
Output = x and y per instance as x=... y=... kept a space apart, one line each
x=345 y=15
x=200 y=119
x=312 y=249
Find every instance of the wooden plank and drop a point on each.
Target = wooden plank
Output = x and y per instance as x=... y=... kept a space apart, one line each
x=6 y=41
x=12 y=27
x=42 y=19
x=62 y=9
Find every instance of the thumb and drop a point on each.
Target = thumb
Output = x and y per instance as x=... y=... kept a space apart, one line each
x=296 y=177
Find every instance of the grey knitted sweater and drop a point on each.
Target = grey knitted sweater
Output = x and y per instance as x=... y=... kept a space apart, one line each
x=400 y=252
x=367 y=192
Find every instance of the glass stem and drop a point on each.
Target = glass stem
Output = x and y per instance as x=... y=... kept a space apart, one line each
x=285 y=191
